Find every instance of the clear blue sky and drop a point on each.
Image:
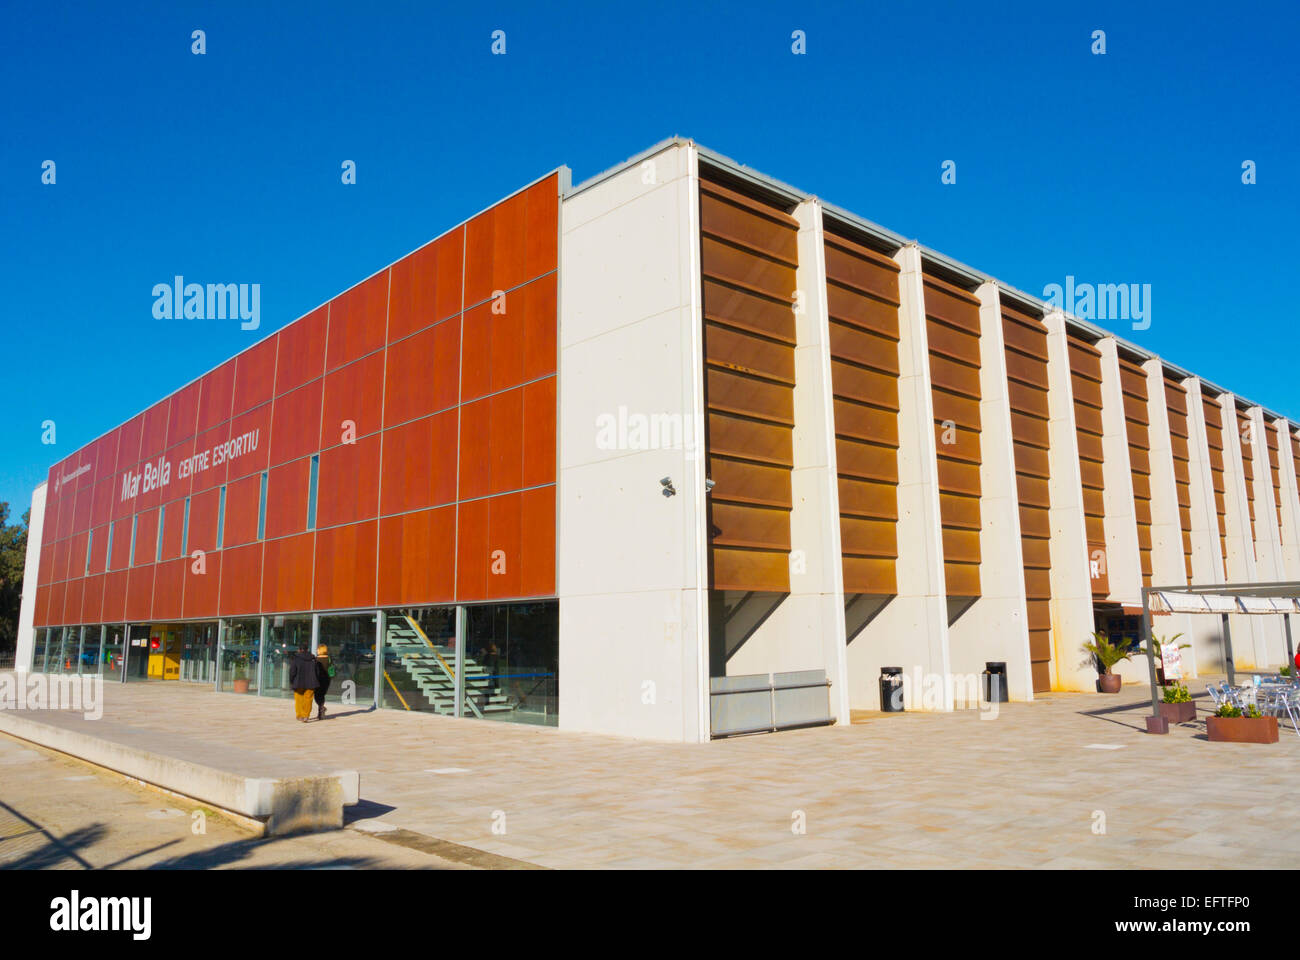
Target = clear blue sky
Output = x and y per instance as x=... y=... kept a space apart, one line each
x=226 y=167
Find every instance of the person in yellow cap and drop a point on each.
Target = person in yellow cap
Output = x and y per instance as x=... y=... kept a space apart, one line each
x=324 y=673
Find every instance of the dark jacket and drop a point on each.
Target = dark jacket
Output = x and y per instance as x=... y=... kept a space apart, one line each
x=323 y=673
x=302 y=671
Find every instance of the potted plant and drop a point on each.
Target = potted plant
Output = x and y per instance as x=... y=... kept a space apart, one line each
x=1157 y=642
x=1106 y=654
x=239 y=681
x=1176 y=704
x=1230 y=725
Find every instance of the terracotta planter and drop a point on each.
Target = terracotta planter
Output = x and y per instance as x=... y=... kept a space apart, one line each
x=1242 y=729
x=1178 y=712
x=240 y=685
x=1109 y=683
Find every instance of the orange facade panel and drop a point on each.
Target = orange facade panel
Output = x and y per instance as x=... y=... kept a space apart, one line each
x=748 y=257
x=1179 y=432
x=862 y=293
x=328 y=390
x=1085 y=381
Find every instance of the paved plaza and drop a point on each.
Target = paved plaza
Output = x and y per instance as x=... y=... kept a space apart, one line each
x=1068 y=781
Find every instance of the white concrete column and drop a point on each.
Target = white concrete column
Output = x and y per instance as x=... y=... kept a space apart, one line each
x=807 y=630
x=1072 y=621
x=1248 y=637
x=911 y=631
x=31 y=570
x=996 y=627
x=632 y=564
x=1123 y=560
x=1168 y=567
x=1207 y=551
x=1290 y=531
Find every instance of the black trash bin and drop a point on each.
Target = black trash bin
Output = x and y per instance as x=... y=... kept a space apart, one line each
x=891 y=689
x=995 y=681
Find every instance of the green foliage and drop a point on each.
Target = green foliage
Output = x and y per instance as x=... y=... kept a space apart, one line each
x=13 y=561
x=1176 y=693
x=1227 y=710
x=1286 y=670
x=1158 y=641
x=1106 y=653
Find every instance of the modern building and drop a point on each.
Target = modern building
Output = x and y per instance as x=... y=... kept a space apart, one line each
x=653 y=454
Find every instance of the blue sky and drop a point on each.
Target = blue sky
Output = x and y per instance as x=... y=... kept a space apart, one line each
x=225 y=167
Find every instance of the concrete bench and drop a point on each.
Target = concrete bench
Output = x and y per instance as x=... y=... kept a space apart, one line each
x=281 y=795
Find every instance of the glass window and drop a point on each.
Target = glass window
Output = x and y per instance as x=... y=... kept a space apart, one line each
x=261 y=510
x=108 y=547
x=185 y=530
x=221 y=516
x=38 y=649
x=137 y=652
x=130 y=555
x=199 y=652
x=283 y=640
x=113 y=651
x=240 y=652
x=69 y=650
x=311 y=492
x=91 y=639
x=512 y=662
x=419 y=660
x=90 y=539
x=351 y=643
x=157 y=552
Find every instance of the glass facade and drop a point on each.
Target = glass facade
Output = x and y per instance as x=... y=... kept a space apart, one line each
x=506 y=668
x=241 y=646
x=351 y=643
x=283 y=639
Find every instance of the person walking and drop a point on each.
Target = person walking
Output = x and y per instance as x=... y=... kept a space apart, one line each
x=302 y=678
x=324 y=673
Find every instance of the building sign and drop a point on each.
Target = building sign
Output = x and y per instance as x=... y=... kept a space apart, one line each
x=153 y=476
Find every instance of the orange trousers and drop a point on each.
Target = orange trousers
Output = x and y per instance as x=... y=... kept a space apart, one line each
x=302 y=702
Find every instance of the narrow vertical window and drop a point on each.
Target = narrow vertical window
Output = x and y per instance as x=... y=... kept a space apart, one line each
x=185 y=530
x=157 y=552
x=108 y=547
x=221 y=516
x=130 y=554
x=90 y=538
x=311 y=492
x=261 y=510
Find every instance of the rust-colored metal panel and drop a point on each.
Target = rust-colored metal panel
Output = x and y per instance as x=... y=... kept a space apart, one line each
x=959 y=511
x=1135 y=408
x=1036 y=547
x=1029 y=429
x=954 y=443
x=1028 y=400
x=748 y=256
x=1034 y=523
x=1023 y=369
x=866 y=460
x=864 y=348
x=869 y=538
x=1087 y=420
x=866 y=386
x=1089 y=446
x=851 y=307
x=1038 y=584
x=1032 y=460
x=958 y=343
x=1033 y=492
x=868 y=498
x=962 y=579
x=954 y=376
x=962 y=411
x=961 y=546
x=851 y=269
x=957 y=477
x=869 y=575
x=748 y=311
x=867 y=423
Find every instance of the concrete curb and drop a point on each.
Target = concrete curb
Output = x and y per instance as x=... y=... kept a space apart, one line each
x=298 y=804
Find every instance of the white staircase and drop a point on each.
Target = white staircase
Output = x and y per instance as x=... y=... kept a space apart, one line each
x=433 y=670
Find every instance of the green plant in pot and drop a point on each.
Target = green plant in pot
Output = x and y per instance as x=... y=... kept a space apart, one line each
x=239 y=673
x=1176 y=704
x=1231 y=724
x=1106 y=654
x=1153 y=650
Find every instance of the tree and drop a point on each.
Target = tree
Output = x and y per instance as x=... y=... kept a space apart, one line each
x=13 y=560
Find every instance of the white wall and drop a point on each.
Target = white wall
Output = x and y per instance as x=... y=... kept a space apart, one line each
x=27 y=610
x=633 y=621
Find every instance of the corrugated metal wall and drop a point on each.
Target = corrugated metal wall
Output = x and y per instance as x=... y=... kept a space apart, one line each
x=953 y=327
x=1026 y=357
x=862 y=300
x=748 y=257
x=1246 y=436
x=1214 y=440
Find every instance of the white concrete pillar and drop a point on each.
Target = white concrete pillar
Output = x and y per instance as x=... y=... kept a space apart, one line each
x=807 y=630
x=911 y=631
x=1123 y=560
x=1290 y=531
x=1207 y=550
x=1248 y=637
x=1168 y=567
x=31 y=569
x=996 y=627
x=1072 y=621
